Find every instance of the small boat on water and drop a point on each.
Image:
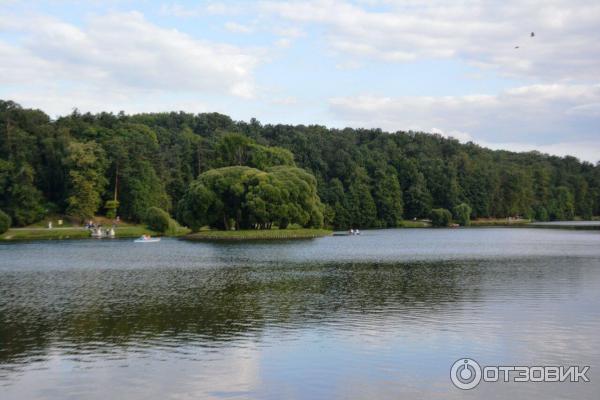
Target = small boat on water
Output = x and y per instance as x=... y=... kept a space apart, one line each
x=351 y=232
x=146 y=239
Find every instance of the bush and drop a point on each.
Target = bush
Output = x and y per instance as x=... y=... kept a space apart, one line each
x=5 y=221
x=462 y=214
x=440 y=217
x=158 y=220
x=540 y=214
x=111 y=207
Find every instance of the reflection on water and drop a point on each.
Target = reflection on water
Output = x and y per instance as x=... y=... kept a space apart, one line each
x=383 y=315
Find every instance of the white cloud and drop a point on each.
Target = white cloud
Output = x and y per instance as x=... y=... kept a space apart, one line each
x=211 y=8
x=238 y=28
x=289 y=32
x=124 y=61
x=283 y=43
x=531 y=117
x=56 y=100
x=479 y=32
x=590 y=110
x=285 y=101
x=123 y=54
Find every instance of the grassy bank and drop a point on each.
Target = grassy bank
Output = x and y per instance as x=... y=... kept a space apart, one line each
x=34 y=233
x=270 y=234
x=499 y=222
x=409 y=223
x=69 y=233
x=44 y=234
x=574 y=225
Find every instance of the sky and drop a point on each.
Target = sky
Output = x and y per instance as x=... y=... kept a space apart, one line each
x=466 y=69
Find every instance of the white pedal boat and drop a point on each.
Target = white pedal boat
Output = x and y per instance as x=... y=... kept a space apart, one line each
x=147 y=240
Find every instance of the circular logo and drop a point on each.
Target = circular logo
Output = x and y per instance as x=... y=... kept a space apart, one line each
x=465 y=373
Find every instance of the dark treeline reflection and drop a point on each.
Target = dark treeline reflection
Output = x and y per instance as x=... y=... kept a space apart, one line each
x=131 y=307
x=94 y=311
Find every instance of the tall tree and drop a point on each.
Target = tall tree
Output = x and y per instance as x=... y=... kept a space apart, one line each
x=87 y=165
x=388 y=197
x=361 y=206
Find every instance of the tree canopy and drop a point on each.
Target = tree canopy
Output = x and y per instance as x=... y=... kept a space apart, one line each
x=462 y=214
x=242 y=197
x=440 y=217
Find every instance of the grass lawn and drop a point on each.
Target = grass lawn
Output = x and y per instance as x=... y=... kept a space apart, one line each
x=409 y=223
x=499 y=222
x=44 y=234
x=267 y=234
x=36 y=233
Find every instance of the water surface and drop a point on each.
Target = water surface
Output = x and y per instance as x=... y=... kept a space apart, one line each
x=381 y=315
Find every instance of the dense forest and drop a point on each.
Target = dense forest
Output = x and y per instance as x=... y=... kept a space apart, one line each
x=87 y=164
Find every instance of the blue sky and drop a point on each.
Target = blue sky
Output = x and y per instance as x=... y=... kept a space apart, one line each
x=439 y=66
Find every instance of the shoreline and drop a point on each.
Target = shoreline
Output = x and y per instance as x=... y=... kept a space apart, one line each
x=132 y=231
x=78 y=233
x=252 y=235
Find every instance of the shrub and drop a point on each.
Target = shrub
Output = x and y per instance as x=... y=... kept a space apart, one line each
x=5 y=221
x=111 y=207
x=462 y=214
x=440 y=217
x=158 y=219
x=540 y=213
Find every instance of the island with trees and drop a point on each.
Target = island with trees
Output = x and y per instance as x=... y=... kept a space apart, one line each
x=209 y=172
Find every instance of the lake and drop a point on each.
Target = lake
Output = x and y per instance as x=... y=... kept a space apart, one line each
x=383 y=315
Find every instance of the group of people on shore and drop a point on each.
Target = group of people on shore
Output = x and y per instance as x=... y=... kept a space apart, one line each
x=97 y=230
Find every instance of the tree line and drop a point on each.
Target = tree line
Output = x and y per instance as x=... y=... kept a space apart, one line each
x=117 y=164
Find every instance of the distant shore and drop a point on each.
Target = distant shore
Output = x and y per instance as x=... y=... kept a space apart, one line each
x=136 y=230
x=500 y=222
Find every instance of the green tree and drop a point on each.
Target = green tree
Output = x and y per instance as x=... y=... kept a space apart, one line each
x=300 y=202
x=136 y=170
x=333 y=195
x=198 y=206
x=111 y=207
x=152 y=159
x=237 y=149
x=462 y=214
x=87 y=163
x=361 y=206
x=242 y=197
x=417 y=199
x=24 y=202
x=540 y=213
x=263 y=157
x=233 y=149
x=440 y=217
x=158 y=220
x=142 y=190
x=6 y=171
x=562 y=205
x=388 y=198
x=5 y=222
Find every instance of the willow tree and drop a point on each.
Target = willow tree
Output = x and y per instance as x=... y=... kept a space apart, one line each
x=242 y=197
